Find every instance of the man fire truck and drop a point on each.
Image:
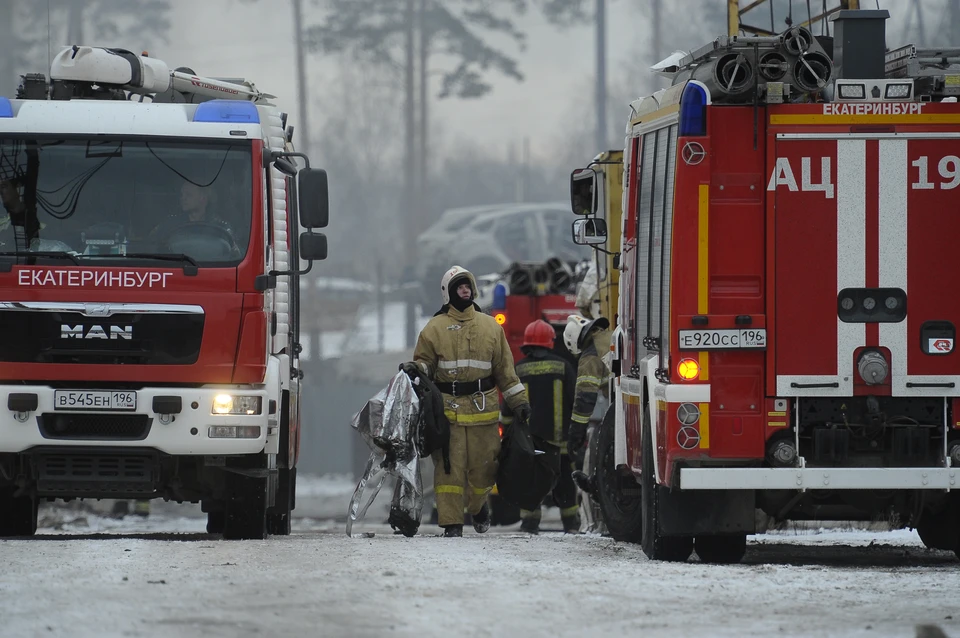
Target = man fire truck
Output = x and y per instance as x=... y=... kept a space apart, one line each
x=787 y=334
x=149 y=354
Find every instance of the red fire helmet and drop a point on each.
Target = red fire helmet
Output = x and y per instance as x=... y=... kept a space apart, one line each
x=539 y=333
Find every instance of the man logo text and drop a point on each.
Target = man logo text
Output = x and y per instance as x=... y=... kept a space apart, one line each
x=96 y=332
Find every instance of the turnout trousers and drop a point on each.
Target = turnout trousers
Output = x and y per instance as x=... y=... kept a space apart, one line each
x=473 y=467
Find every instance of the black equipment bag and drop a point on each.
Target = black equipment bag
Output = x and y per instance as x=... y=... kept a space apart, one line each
x=525 y=475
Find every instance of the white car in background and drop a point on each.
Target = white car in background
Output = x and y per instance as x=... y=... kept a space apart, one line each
x=487 y=239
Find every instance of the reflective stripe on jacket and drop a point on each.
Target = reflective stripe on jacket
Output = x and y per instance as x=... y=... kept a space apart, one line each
x=469 y=346
x=549 y=380
x=592 y=377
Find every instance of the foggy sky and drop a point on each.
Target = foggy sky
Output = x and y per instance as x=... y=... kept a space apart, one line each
x=230 y=37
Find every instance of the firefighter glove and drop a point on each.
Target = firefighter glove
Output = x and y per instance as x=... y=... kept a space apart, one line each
x=410 y=368
x=577 y=438
x=522 y=412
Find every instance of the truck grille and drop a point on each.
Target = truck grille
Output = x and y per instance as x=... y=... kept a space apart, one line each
x=137 y=339
x=96 y=474
x=100 y=427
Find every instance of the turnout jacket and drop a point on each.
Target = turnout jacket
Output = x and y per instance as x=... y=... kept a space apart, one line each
x=549 y=380
x=592 y=376
x=466 y=347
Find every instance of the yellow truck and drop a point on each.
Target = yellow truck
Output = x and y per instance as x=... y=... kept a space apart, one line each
x=598 y=295
x=599 y=291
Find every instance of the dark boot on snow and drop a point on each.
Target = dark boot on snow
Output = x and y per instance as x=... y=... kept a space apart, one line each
x=481 y=520
x=571 y=524
x=452 y=531
x=531 y=525
x=585 y=483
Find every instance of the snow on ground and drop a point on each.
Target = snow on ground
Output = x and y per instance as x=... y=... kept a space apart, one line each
x=88 y=574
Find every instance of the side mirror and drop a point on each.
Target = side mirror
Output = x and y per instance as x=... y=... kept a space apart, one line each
x=314 y=203
x=589 y=232
x=313 y=247
x=584 y=194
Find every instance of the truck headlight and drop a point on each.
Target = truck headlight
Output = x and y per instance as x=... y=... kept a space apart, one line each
x=236 y=404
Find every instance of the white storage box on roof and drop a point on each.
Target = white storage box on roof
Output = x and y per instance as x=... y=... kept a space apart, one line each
x=111 y=66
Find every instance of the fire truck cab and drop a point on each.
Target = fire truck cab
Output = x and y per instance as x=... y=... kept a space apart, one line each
x=149 y=289
x=787 y=325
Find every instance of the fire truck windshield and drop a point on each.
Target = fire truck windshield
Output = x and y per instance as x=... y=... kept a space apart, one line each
x=131 y=199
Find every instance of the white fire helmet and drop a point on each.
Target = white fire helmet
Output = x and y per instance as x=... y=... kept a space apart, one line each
x=577 y=329
x=455 y=273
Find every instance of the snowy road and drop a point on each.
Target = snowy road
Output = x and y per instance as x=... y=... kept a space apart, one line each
x=129 y=579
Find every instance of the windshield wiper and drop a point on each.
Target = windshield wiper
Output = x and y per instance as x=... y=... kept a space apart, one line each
x=53 y=254
x=190 y=265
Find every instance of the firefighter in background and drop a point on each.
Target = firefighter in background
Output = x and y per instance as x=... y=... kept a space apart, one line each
x=465 y=352
x=588 y=292
x=550 y=381
x=590 y=339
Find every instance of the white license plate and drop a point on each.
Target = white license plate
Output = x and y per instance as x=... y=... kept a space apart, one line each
x=736 y=339
x=95 y=400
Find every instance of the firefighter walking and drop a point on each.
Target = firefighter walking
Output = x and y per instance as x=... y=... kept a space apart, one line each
x=549 y=380
x=590 y=339
x=465 y=353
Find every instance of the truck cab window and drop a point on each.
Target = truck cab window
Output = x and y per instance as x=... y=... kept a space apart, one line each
x=125 y=197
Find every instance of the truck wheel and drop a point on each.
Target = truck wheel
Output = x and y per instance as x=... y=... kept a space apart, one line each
x=937 y=532
x=216 y=522
x=618 y=495
x=279 y=516
x=246 y=508
x=721 y=549
x=18 y=514
x=655 y=545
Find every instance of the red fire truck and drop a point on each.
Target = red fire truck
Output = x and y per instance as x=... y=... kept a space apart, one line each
x=149 y=289
x=531 y=291
x=786 y=335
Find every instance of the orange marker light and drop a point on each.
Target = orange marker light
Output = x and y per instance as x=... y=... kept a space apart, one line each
x=500 y=318
x=688 y=369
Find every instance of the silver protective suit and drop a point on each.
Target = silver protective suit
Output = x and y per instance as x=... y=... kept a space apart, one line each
x=389 y=424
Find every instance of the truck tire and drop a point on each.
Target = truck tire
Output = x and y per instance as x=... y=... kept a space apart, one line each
x=937 y=530
x=618 y=495
x=721 y=549
x=655 y=545
x=216 y=522
x=246 y=508
x=18 y=514
x=279 y=516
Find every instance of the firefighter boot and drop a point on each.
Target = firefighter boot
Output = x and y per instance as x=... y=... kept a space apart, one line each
x=452 y=531
x=141 y=507
x=481 y=520
x=571 y=523
x=531 y=521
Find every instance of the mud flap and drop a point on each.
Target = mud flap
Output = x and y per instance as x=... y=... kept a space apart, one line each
x=689 y=513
